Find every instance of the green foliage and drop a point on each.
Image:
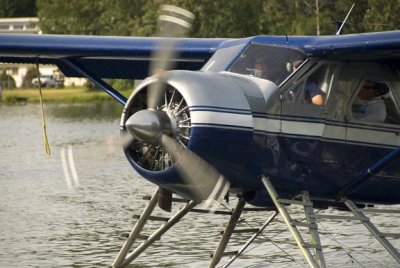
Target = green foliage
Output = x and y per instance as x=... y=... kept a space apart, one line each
x=123 y=84
x=71 y=17
x=90 y=86
x=382 y=15
x=217 y=18
x=15 y=99
x=20 y=8
x=98 y=17
x=225 y=18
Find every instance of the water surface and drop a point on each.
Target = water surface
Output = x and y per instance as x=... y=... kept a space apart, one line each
x=48 y=221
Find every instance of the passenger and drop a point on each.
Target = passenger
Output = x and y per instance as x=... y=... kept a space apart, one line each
x=313 y=94
x=369 y=106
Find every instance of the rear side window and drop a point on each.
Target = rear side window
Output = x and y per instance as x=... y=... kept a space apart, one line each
x=375 y=102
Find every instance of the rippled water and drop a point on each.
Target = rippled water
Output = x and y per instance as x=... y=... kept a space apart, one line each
x=44 y=222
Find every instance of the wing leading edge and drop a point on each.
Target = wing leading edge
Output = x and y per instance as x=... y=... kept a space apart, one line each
x=106 y=57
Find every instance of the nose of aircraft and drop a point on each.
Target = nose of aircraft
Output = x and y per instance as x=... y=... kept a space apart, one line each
x=160 y=129
x=148 y=125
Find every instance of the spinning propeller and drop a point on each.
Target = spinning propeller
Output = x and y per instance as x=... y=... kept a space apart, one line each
x=162 y=122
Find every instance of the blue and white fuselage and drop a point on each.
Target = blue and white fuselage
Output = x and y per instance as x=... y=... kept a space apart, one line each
x=248 y=126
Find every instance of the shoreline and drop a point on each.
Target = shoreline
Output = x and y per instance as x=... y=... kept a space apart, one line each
x=69 y=94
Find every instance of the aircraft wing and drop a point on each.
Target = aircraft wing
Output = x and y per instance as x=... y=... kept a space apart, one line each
x=365 y=46
x=129 y=57
x=105 y=57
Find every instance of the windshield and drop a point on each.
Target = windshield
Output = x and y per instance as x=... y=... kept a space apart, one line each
x=222 y=58
x=273 y=63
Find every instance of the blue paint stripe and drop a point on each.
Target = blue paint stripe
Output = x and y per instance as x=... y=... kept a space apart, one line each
x=219 y=109
x=319 y=138
x=222 y=126
x=357 y=125
x=264 y=115
x=393 y=129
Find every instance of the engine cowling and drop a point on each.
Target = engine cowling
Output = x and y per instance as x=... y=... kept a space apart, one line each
x=209 y=113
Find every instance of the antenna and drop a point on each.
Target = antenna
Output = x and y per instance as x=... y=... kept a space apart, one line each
x=345 y=19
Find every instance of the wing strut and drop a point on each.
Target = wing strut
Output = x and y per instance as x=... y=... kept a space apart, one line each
x=95 y=80
x=371 y=171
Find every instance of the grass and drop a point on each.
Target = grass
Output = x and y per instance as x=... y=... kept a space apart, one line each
x=72 y=94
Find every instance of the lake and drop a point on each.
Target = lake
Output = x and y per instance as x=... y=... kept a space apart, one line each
x=53 y=218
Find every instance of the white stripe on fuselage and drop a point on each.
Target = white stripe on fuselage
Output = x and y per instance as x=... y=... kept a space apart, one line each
x=327 y=131
x=302 y=129
x=221 y=118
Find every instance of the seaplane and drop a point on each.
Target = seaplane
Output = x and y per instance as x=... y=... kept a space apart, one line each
x=273 y=120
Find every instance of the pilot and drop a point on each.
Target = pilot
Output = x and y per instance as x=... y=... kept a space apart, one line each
x=313 y=94
x=369 y=106
x=260 y=68
x=295 y=65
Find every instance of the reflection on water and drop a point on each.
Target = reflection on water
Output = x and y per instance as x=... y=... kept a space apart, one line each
x=45 y=223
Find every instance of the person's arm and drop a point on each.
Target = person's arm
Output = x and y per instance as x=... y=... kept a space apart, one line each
x=316 y=94
x=318 y=100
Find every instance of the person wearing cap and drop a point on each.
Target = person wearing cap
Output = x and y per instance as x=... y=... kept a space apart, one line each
x=368 y=105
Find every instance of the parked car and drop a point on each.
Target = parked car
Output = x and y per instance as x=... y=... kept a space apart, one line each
x=47 y=81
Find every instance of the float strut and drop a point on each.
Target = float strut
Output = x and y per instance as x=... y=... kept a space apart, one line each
x=373 y=230
x=159 y=232
x=136 y=230
x=254 y=236
x=219 y=251
x=288 y=221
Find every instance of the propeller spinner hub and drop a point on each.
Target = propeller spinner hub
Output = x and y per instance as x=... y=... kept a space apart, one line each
x=149 y=125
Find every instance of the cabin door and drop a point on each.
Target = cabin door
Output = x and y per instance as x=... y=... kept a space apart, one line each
x=312 y=137
x=373 y=114
x=304 y=115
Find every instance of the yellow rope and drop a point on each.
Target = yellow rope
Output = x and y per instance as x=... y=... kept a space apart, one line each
x=45 y=140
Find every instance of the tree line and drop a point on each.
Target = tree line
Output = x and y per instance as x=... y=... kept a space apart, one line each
x=214 y=18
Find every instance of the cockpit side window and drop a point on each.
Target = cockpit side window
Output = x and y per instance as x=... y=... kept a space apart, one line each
x=312 y=88
x=375 y=102
x=267 y=62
